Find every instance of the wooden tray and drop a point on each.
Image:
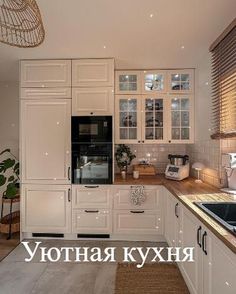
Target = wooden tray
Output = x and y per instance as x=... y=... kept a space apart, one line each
x=145 y=169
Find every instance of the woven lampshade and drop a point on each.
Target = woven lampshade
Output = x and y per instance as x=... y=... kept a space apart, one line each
x=21 y=23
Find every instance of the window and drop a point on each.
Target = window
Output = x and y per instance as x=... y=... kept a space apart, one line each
x=224 y=84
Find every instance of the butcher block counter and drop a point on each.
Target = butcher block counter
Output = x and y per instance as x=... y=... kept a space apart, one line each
x=187 y=191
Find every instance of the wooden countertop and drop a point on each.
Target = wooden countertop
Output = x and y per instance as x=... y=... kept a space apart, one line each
x=187 y=191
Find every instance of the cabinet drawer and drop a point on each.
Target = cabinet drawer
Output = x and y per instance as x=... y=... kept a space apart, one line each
x=122 y=199
x=91 y=221
x=96 y=101
x=137 y=222
x=45 y=93
x=91 y=197
x=45 y=73
x=93 y=72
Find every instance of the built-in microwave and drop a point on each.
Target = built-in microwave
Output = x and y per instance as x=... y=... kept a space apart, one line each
x=86 y=129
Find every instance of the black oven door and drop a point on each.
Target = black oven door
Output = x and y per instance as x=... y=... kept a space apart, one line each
x=86 y=129
x=92 y=163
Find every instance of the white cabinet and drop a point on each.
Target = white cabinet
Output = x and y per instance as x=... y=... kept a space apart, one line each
x=154 y=106
x=219 y=268
x=127 y=82
x=214 y=266
x=92 y=196
x=93 y=101
x=93 y=73
x=45 y=73
x=91 y=209
x=45 y=141
x=191 y=236
x=45 y=93
x=144 y=219
x=46 y=208
x=92 y=221
x=181 y=119
x=137 y=221
x=173 y=217
x=154 y=81
x=128 y=119
x=181 y=81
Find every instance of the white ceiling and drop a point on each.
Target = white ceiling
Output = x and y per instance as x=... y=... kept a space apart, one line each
x=81 y=28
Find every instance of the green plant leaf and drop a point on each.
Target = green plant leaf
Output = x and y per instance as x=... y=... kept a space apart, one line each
x=16 y=167
x=11 y=179
x=4 y=151
x=11 y=191
x=2 y=180
x=8 y=163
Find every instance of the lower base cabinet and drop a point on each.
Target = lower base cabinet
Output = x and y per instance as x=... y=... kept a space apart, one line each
x=46 y=208
x=92 y=221
x=137 y=221
x=214 y=267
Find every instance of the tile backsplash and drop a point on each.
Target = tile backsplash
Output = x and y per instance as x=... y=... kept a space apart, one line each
x=207 y=152
x=157 y=154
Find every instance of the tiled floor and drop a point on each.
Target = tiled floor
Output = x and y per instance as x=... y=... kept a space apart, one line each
x=19 y=277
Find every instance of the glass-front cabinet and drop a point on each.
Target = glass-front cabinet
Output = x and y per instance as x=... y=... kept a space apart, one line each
x=181 y=121
x=154 y=119
x=154 y=106
x=154 y=81
x=128 y=119
x=180 y=81
x=128 y=82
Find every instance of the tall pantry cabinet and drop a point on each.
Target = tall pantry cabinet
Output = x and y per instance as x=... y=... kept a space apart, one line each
x=45 y=146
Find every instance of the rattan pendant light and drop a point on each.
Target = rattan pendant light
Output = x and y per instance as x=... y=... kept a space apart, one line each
x=21 y=23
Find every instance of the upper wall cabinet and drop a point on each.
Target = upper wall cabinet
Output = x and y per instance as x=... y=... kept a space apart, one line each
x=154 y=81
x=93 y=73
x=181 y=81
x=93 y=101
x=45 y=73
x=128 y=82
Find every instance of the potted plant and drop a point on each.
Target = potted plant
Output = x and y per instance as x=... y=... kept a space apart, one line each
x=124 y=156
x=9 y=165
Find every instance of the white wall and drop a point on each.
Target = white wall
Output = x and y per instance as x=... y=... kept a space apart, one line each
x=9 y=121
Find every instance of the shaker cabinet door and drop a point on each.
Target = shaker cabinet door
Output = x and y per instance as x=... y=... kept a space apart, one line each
x=45 y=141
x=45 y=73
x=93 y=101
x=93 y=73
x=46 y=208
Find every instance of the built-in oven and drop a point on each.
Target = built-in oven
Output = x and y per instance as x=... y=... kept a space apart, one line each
x=92 y=150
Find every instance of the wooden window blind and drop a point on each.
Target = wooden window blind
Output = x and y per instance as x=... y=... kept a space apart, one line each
x=224 y=84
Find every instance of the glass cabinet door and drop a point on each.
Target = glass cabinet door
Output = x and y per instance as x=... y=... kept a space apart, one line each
x=181 y=81
x=180 y=118
x=128 y=82
x=153 y=124
x=154 y=81
x=128 y=126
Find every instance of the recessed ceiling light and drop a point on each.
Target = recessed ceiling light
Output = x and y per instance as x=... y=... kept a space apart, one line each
x=182 y=47
x=206 y=83
x=151 y=15
x=104 y=47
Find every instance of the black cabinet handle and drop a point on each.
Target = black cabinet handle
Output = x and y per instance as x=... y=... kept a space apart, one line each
x=137 y=211
x=204 y=242
x=69 y=196
x=139 y=141
x=176 y=208
x=91 y=187
x=68 y=173
x=169 y=141
x=91 y=113
x=143 y=141
x=91 y=211
x=198 y=236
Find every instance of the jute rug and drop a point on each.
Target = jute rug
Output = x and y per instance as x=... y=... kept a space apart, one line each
x=150 y=279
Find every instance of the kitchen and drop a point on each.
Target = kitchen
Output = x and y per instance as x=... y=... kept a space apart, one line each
x=115 y=149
